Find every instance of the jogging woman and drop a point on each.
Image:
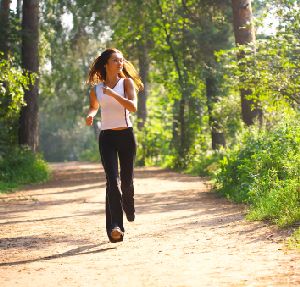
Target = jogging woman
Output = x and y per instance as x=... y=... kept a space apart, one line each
x=115 y=82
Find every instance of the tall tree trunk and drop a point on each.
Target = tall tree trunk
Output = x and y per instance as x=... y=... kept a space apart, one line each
x=19 y=9
x=142 y=98
x=143 y=95
x=191 y=106
x=4 y=26
x=244 y=34
x=175 y=124
x=6 y=134
x=217 y=136
x=28 y=129
x=183 y=147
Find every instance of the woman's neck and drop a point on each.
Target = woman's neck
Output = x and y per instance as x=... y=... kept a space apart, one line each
x=111 y=79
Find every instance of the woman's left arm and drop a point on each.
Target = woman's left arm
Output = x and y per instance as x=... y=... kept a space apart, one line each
x=129 y=103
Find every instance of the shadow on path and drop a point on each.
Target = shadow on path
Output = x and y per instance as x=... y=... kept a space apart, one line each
x=72 y=252
x=87 y=214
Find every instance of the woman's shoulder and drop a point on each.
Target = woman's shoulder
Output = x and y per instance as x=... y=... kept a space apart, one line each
x=128 y=82
x=99 y=85
x=97 y=89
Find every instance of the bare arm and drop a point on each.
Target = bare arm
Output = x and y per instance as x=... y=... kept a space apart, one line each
x=130 y=103
x=94 y=106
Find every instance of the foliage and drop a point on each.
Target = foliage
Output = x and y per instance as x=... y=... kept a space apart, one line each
x=13 y=81
x=154 y=141
x=294 y=241
x=275 y=80
x=180 y=37
x=90 y=153
x=264 y=171
x=205 y=164
x=67 y=51
x=21 y=166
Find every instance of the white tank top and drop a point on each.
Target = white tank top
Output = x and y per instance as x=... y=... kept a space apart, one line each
x=113 y=114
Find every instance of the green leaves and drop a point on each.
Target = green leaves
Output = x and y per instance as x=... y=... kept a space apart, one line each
x=264 y=170
x=13 y=82
x=272 y=72
x=67 y=50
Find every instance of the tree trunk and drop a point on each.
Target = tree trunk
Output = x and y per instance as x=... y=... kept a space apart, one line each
x=4 y=26
x=244 y=34
x=175 y=125
x=217 y=135
x=142 y=98
x=182 y=148
x=28 y=129
x=19 y=9
x=6 y=133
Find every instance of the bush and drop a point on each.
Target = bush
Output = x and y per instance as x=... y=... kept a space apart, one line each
x=205 y=164
x=21 y=166
x=264 y=171
x=294 y=241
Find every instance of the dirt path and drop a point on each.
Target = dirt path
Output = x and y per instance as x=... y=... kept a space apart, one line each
x=54 y=235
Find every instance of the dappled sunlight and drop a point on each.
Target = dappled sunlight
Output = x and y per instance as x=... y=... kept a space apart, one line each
x=179 y=220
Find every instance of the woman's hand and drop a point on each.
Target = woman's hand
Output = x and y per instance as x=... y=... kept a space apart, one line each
x=108 y=91
x=89 y=120
x=129 y=102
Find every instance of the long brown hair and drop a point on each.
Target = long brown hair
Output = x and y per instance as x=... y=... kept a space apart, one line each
x=97 y=71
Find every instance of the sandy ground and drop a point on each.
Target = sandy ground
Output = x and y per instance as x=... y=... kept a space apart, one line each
x=184 y=235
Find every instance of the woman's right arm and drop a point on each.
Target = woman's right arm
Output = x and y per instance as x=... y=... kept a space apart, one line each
x=94 y=106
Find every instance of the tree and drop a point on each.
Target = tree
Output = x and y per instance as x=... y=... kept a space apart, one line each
x=136 y=43
x=4 y=26
x=204 y=29
x=244 y=34
x=144 y=63
x=173 y=23
x=132 y=34
x=210 y=21
x=66 y=52
x=29 y=122
x=19 y=8
x=11 y=101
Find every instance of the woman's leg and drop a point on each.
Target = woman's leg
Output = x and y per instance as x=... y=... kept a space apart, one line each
x=114 y=213
x=127 y=152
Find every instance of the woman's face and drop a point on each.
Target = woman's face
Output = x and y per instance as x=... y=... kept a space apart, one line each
x=115 y=63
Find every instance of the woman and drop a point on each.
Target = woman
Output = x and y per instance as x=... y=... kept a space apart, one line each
x=115 y=83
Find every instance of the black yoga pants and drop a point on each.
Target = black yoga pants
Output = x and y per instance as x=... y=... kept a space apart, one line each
x=118 y=147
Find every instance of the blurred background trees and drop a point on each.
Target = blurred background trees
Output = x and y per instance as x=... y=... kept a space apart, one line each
x=211 y=69
x=221 y=98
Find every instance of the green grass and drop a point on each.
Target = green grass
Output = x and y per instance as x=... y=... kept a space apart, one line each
x=7 y=187
x=294 y=241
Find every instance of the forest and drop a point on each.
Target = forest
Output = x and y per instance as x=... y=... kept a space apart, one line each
x=221 y=97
